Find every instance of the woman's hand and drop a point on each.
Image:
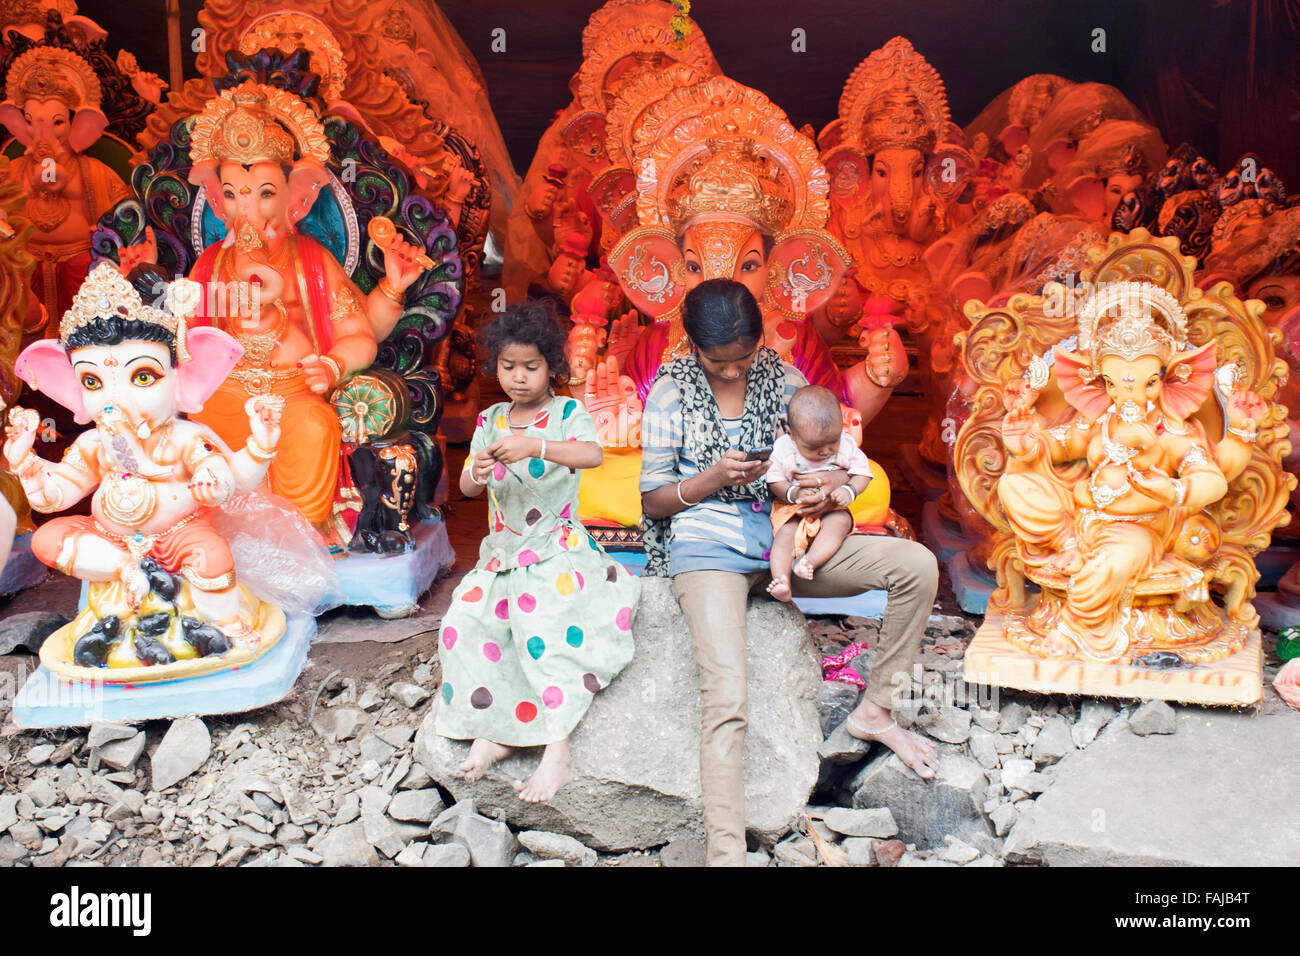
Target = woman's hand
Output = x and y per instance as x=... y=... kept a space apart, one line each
x=732 y=469
x=816 y=497
x=514 y=448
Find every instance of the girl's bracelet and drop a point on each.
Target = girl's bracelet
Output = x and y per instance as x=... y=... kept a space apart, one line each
x=542 y=453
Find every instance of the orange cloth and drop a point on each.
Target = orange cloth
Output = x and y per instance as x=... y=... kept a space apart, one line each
x=808 y=527
x=194 y=546
x=305 y=471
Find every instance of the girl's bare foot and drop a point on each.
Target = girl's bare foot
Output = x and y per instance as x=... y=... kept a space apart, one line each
x=482 y=754
x=913 y=749
x=551 y=774
x=804 y=568
x=780 y=588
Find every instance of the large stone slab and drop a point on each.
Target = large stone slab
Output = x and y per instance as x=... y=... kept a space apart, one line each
x=636 y=754
x=1222 y=791
x=926 y=810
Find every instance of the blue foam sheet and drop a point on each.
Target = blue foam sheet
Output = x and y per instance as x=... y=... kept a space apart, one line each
x=46 y=701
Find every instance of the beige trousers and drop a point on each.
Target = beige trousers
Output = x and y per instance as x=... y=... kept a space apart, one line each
x=713 y=603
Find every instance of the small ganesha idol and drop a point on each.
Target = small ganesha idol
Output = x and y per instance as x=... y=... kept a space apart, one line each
x=163 y=601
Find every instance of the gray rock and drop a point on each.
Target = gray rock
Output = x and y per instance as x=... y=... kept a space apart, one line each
x=371 y=699
x=8 y=811
x=758 y=858
x=1013 y=717
x=349 y=809
x=40 y=754
x=417 y=779
x=859 y=851
x=183 y=750
x=489 y=842
x=983 y=748
x=28 y=629
x=379 y=830
x=301 y=810
x=347 y=846
x=304 y=855
x=959 y=852
x=876 y=822
x=547 y=863
x=1153 y=717
x=122 y=754
x=446 y=854
x=557 y=846
x=653 y=779
x=835 y=701
x=841 y=747
x=339 y=723
x=926 y=810
x=41 y=792
x=1016 y=771
x=372 y=748
x=1093 y=716
x=412 y=695
x=1172 y=800
x=989 y=720
x=795 y=851
x=395 y=736
x=412 y=855
x=106 y=731
x=1053 y=742
x=422 y=806
x=950 y=724
x=682 y=853
x=1004 y=818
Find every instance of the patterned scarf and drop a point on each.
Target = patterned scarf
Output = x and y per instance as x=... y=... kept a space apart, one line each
x=705 y=435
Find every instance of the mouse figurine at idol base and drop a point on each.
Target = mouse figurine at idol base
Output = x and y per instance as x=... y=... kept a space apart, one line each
x=163 y=601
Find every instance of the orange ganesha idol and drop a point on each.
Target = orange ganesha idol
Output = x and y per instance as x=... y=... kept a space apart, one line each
x=163 y=601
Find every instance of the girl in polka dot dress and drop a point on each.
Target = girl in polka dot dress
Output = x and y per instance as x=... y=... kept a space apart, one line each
x=544 y=620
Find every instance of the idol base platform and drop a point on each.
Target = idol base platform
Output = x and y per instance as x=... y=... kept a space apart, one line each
x=392 y=584
x=993 y=661
x=971 y=588
x=47 y=701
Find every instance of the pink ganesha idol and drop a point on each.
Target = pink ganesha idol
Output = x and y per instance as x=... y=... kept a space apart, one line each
x=163 y=601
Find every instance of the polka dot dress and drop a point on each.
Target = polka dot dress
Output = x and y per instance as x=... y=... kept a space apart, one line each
x=544 y=621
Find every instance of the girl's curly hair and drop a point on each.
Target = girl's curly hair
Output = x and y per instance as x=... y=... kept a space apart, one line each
x=531 y=322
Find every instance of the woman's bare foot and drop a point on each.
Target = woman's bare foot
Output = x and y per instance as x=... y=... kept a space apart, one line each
x=551 y=774
x=805 y=569
x=780 y=589
x=913 y=749
x=482 y=754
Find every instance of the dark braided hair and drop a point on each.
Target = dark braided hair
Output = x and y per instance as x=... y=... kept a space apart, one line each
x=111 y=329
x=531 y=322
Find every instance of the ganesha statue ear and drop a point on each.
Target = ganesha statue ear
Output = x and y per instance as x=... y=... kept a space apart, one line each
x=205 y=176
x=88 y=124
x=13 y=120
x=650 y=270
x=1088 y=195
x=45 y=366
x=803 y=270
x=212 y=354
x=306 y=180
x=948 y=171
x=1189 y=377
x=1081 y=384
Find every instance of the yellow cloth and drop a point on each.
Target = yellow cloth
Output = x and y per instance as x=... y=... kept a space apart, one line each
x=610 y=492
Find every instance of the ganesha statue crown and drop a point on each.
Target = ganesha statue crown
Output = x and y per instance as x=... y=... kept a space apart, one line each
x=729 y=184
x=1134 y=332
x=255 y=123
x=53 y=73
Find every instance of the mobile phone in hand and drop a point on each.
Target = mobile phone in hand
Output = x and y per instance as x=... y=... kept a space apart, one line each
x=759 y=454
